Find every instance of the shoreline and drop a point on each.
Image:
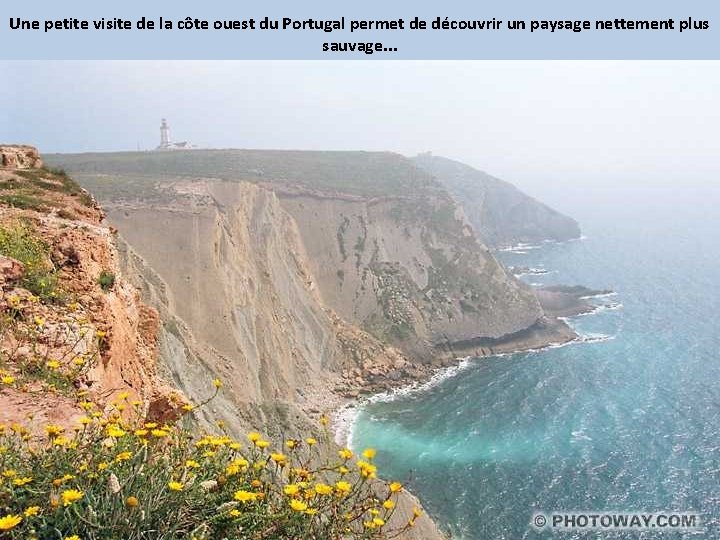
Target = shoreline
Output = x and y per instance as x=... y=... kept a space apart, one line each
x=344 y=408
x=551 y=333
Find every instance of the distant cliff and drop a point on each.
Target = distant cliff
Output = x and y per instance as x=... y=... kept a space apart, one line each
x=501 y=214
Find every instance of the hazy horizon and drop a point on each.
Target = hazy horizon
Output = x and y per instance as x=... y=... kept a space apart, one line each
x=543 y=125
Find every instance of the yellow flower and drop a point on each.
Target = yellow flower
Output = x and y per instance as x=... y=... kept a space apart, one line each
x=297 y=505
x=310 y=441
x=100 y=334
x=141 y=432
x=191 y=463
x=53 y=364
x=262 y=444
x=10 y=473
x=131 y=502
x=73 y=537
x=102 y=466
x=7 y=379
x=280 y=459
x=22 y=481
x=367 y=470
x=61 y=441
x=9 y=522
x=369 y=453
x=343 y=487
x=345 y=453
x=254 y=436
x=245 y=496
x=379 y=522
x=417 y=512
x=323 y=489
x=175 y=486
x=123 y=456
x=290 y=444
x=235 y=513
x=70 y=496
x=31 y=511
x=78 y=361
x=159 y=433
x=54 y=430
x=388 y=505
x=151 y=425
x=291 y=489
x=324 y=420
x=217 y=383
x=39 y=321
x=395 y=487
x=188 y=407
x=84 y=420
x=114 y=430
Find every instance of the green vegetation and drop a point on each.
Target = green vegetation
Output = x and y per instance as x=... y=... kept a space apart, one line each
x=106 y=280
x=118 y=475
x=52 y=179
x=25 y=201
x=20 y=242
x=360 y=173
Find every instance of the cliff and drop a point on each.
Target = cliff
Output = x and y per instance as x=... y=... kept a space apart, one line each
x=382 y=244
x=224 y=266
x=501 y=214
x=302 y=277
x=70 y=322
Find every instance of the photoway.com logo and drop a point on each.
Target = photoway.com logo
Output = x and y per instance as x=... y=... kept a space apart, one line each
x=676 y=521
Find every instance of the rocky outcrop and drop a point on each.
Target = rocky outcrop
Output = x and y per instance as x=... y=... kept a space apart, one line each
x=501 y=214
x=13 y=156
x=61 y=322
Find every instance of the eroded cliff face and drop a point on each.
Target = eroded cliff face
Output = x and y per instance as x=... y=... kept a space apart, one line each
x=409 y=270
x=226 y=265
x=61 y=332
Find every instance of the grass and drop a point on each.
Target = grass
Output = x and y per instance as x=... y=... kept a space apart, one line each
x=22 y=243
x=360 y=173
x=116 y=475
x=55 y=179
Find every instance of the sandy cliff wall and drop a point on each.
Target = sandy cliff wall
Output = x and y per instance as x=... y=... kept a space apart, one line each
x=228 y=269
x=409 y=270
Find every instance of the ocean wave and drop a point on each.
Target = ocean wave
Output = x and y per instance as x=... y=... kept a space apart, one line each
x=520 y=248
x=346 y=417
x=533 y=272
x=599 y=295
x=612 y=306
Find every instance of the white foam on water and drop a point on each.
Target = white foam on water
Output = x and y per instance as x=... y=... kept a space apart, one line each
x=346 y=417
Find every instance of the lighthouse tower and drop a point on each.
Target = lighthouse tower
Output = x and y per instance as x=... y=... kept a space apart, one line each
x=164 y=134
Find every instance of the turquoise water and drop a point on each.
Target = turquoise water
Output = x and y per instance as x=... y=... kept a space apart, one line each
x=630 y=423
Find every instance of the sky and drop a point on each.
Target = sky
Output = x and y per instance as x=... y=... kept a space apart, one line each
x=542 y=125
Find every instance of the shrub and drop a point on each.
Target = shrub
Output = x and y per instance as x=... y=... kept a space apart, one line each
x=106 y=280
x=20 y=242
x=114 y=477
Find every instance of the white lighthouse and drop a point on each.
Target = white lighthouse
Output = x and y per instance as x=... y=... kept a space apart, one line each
x=164 y=135
x=166 y=143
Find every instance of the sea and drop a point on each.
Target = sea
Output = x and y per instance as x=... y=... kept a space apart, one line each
x=625 y=420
